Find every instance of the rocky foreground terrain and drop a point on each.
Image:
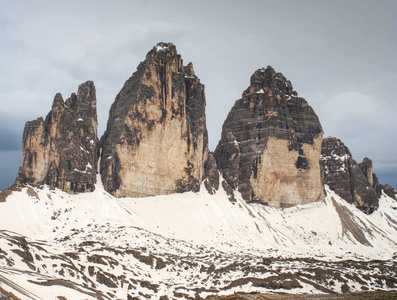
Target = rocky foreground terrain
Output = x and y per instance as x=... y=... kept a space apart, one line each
x=351 y=296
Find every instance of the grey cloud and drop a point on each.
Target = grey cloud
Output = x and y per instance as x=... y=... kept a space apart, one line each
x=10 y=140
x=10 y=133
x=387 y=174
x=10 y=162
x=365 y=123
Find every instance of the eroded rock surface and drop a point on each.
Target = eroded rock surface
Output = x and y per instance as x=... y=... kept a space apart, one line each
x=271 y=144
x=355 y=183
x=389 y=190
x=211 y=173
x=61 y=151
x=368 y=170
x=156 y=138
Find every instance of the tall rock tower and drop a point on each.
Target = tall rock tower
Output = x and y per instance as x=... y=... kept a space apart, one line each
x=271 y=144
x=61 y=151
x=156 y=138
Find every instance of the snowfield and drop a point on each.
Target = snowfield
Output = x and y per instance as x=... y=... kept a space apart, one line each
x=190 y=245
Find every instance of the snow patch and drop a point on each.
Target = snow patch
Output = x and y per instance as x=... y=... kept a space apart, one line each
x=160 y=48
x=82 y=149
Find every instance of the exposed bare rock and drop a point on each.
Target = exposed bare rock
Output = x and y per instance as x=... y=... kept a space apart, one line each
x=156 y=138
x=353 y=182
x=61 y=151
x=367 y=168
x=211 y=180
x=376 y=185
x=271 y=144
x=389 y=190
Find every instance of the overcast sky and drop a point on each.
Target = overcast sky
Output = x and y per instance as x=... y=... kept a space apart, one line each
x=339 y=55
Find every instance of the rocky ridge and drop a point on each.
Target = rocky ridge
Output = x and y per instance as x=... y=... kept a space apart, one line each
x=389 y=190
x=271 y=143
x=156 y=138
x=356 y=183
x=97 y=246
x=61 y=151
x=156 y=142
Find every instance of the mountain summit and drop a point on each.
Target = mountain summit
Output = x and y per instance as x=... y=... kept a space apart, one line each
x=156 y=138
x=61 y=151
x=271 y=144
x=156 y=142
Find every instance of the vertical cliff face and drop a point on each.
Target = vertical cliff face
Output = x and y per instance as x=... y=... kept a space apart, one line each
x=271 y=143
x=61 y=151
x=355 y=183
x=368 y=170
x=156 y=138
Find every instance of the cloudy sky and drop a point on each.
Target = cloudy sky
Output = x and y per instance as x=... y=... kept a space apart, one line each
x=340 y=56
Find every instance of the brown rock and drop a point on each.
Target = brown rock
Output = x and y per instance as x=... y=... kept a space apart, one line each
x=368 y=170
x=61 y=151
x=156 y=138
x=271 y=143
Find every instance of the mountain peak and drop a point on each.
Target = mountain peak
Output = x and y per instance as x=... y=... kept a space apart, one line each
x=58 y=101
x=165 y=47
x=267 y=79
x=61 y=152
x=163 y=53
x=271 y=140
x=156 y=140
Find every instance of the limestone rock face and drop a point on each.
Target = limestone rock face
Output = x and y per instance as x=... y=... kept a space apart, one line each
x=271 y=143
x=61 y=151
x=368 y=170
x=156 y=138
x=353 y=182
x=366 y=167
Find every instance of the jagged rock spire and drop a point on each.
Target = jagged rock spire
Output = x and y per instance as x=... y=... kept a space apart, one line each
x=156 y=138
x=61 y=151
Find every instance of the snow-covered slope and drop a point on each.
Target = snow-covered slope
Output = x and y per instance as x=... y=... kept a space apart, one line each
x=189 y=245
